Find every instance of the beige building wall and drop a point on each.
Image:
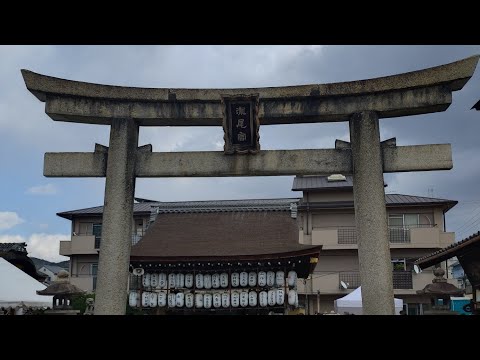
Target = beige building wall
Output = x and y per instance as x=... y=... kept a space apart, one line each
x=82 y=252
x=321 y=227
x=82 y=271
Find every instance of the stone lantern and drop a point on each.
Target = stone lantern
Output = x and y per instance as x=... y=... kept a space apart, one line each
x=439 y=292
x=62 y=292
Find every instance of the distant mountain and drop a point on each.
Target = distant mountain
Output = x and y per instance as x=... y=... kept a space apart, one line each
x=40 y=262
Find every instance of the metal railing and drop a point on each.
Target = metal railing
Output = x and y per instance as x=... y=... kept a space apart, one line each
x=347 y=235
x=136 y=237
x=397 y=234
x=401 y=279
x=350 y=278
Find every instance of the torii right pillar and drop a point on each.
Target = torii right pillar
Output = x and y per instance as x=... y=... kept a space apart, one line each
x=371 y=215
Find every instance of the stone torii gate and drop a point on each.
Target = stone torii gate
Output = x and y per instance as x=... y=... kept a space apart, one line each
x=362 y=103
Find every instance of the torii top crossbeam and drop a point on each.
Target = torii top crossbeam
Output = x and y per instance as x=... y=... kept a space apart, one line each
x=411 y=93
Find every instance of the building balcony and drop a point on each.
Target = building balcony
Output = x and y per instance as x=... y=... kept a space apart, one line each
x=86 y=244
x=418 y=236
x=79 y=245
x=329 y=283
x=401 y=279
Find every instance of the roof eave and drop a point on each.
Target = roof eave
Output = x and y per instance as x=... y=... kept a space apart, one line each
x=70 y=216
x=314 y=250
x=446 y=253
x=323 y=189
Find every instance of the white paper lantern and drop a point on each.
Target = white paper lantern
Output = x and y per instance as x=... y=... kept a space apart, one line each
x=199 y=301
x=146 y=280
x=189 y=300
x=252 y=298
x=145 y=299
x=162 y=298
x=199 y=282
x=207 y=282
x=235 y=299
x=172 y=300
x=243 y=278
x=225 y=299
x=217 y=299
x=154 y=280
x=132 y=298
x=272 y=297
x=280 y=278
x=153 y=299
x=270 y=278
x=180 y=280
x=280 y=296
x=262 y=278
x=263 y=298
x=180 y=299
x=252 y=278
x=244 y=298
x=235 y=279
x=188 y=281
x=162 y=281
x=223 y=280
x=292 y=278
x=207 y=301
x=292 y=295
x=215 y=281
x=171 y=281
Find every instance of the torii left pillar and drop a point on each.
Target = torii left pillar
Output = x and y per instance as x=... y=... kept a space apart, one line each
x=112 y=277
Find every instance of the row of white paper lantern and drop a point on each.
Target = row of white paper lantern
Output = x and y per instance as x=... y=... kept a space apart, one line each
x=215 y=281
x=235 y=299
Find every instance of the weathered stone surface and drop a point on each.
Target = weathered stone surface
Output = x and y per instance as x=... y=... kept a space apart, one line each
x=453 y=75
x=112 y=279
x=75 y=164
x=281 y=111
x=412 y=93
x=371 y=216
x=417 y=158
x=265 y=163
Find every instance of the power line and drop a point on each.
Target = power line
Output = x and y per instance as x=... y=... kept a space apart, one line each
x=468 y=221
x=467 y=230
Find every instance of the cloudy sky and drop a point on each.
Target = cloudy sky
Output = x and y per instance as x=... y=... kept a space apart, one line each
x=29 y=202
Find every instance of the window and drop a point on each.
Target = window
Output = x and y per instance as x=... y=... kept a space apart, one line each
x=400 y=225
x=97 y=231
x=412 y=309
x=85 y=228
x=139 y=232
x=404 y=220
x=94 y=274
x=399 y=265
x=139 y=227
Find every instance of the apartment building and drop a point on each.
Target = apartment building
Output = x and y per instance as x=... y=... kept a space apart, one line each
x=326 y=217
x=84 y=245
